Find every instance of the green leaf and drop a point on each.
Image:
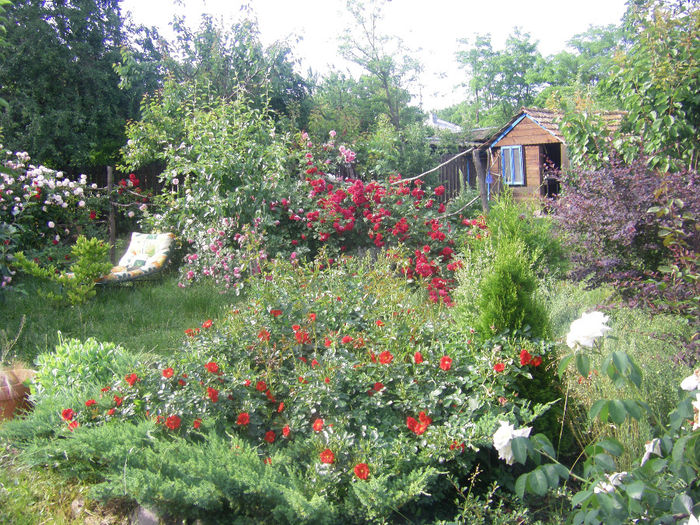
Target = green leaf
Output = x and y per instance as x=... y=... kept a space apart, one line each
x=599 y=409
x=604 y=461
x=563 y=364
x=537 y=482
x=618 y=412
x=611 y=445
x=682 y=504
x=521 y=484
x=580 y=497
x=583 y=364
x=635 y=490
x=519 y=445
x=541 y=441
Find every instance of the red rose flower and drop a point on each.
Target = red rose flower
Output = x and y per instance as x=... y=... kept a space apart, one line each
x=314 y=363
x=499 y=367
x=361 y=470
x=296 y=327
x=286 y=431
x=118 y=401
x=168 y=373
x=207 y=323
x=385 y=357
x=302 y=337
x=212 y=367
x=275 y=313
x=172 y=422
x=131 y=379
x=446 y=363
x=264 y=335
x=213 y=394
x=525 y=357
x=270 y=436
x=327 y=456
x=318 y=425
x=243 y=418
x=280 y=407
x=418 y=358
x=411 y=423
x=260 y=386
x=347 y=339
x=327 y=342
x=440 y=190
x=536 y=361
x=72 y=425
x=378 y=386
x=68 y=414
x=312 y=317
x=110 y=412
x=93 y=215
x=378 y=322
x=90 y=402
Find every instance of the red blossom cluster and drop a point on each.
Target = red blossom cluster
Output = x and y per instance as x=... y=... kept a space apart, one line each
x=420 y=426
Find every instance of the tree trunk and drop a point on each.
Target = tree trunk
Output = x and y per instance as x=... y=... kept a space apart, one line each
x=481 y=180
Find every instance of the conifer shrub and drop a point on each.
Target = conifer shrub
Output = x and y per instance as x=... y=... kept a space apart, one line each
x=508 y=297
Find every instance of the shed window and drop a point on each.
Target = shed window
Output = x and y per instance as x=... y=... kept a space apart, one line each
x=512 y=165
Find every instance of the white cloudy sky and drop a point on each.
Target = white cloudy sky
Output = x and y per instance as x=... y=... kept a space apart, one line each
x=429 y=27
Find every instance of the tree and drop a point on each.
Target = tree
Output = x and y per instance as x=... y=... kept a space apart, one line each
x=221 y=61
x=390 y=72
x=65 y=107
x=657 y=80
x=501 y=81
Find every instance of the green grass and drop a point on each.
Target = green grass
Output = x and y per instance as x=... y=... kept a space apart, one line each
x=145 y=317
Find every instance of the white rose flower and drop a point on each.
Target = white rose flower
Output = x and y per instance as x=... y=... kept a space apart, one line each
x=692 y=382
x=614 y=480
x=503 y=437
x=130 y=214
x=652 y=447
x=50 y=224
x=585 y=330
x=81 y=204
x=696 y=412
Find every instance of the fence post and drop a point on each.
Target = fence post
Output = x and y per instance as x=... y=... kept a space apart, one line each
x=112 y=218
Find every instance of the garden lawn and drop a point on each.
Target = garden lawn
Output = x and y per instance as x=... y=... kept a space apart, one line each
x=148 y=317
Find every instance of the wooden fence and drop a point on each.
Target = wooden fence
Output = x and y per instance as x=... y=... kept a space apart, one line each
x=456 y=175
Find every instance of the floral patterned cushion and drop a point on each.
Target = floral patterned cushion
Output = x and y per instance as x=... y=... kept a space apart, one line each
x=146 y=255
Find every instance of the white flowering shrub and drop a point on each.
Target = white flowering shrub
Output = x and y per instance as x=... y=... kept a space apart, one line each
x=43 y=211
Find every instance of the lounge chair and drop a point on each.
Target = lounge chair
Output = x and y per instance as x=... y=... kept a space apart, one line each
x=147 y=255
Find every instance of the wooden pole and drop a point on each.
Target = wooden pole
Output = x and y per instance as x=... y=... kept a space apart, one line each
x=112 y=216
x=481 y=179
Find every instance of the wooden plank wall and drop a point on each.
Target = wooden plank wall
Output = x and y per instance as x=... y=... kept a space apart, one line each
x=527 y=132
x=450 y=173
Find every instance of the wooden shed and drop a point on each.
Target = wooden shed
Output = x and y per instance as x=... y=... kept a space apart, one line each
x=528 y=152
x=524 y=153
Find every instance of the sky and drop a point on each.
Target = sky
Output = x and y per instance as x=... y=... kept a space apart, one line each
x=430 y=29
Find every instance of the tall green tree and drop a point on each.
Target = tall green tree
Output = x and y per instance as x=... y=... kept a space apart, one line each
x=64 y=104
x=657 y=80
x=390 y=72
x=501 y=81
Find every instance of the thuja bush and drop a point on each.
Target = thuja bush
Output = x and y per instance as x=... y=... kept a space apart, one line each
x=330 y=395
x=508 y=295
x=636 y=228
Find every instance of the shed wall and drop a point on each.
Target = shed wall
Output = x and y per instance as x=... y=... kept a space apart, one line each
x=527 y=132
